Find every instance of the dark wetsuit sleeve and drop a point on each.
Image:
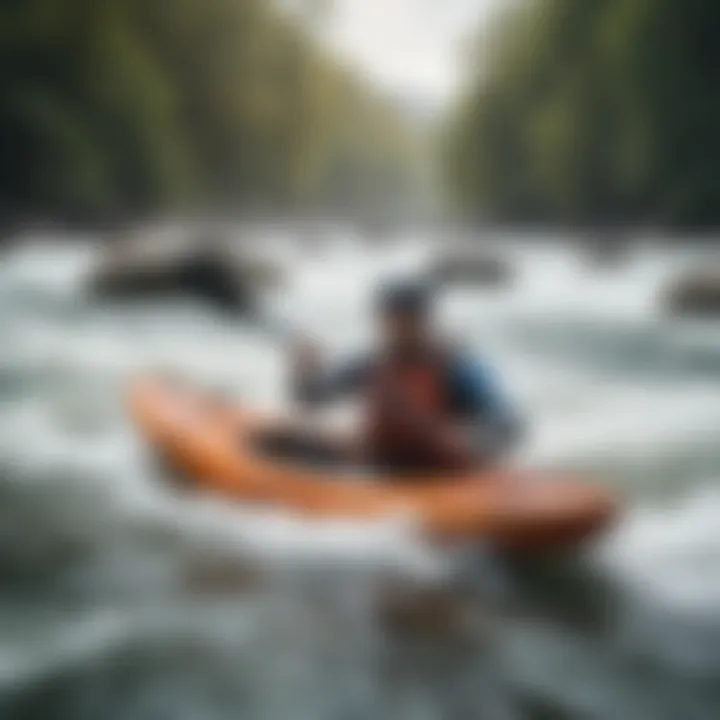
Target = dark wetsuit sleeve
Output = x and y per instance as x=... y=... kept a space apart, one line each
x=477 y=397
x=345 y=379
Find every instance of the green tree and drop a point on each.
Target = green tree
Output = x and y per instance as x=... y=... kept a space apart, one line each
x=604 y=111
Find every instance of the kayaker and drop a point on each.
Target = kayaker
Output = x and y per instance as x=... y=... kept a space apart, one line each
x=428 y=405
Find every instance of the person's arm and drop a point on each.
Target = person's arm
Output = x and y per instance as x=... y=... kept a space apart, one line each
x=314 y=383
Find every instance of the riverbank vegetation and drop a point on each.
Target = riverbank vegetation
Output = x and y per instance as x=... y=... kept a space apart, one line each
x=122 y=108
x=600 y=112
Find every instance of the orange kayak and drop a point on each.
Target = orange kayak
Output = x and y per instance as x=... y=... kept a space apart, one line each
x=214 y=446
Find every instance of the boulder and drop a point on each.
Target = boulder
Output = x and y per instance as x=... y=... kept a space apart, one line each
x=208 y=267
x=439 y=615
x=605 y=257
x=470 y=268
x=216 y=576
x=606 y=249
x=695 y=294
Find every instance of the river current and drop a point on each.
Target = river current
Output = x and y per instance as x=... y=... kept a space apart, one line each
x=123 y=601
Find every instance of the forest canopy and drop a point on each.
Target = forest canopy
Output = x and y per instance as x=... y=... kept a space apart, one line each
x=123 y=107
x=592 y=112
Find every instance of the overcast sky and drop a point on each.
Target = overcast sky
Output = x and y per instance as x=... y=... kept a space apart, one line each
x=408 y=45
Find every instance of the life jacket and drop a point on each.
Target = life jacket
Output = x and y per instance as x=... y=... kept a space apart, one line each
x=418 y=383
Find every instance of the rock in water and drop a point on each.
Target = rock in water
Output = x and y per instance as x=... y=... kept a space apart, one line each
x=194 y=264
x=481 y=269
x=695 y=294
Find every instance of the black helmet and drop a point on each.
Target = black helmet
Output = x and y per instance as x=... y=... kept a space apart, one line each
x=413 y=297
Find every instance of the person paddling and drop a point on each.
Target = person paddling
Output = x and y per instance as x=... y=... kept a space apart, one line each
x=428 y=405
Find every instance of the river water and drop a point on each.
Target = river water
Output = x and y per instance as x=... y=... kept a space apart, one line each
x=120 y=600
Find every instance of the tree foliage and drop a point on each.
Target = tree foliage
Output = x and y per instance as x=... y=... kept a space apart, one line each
x=114 y=107
x=593 y=112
